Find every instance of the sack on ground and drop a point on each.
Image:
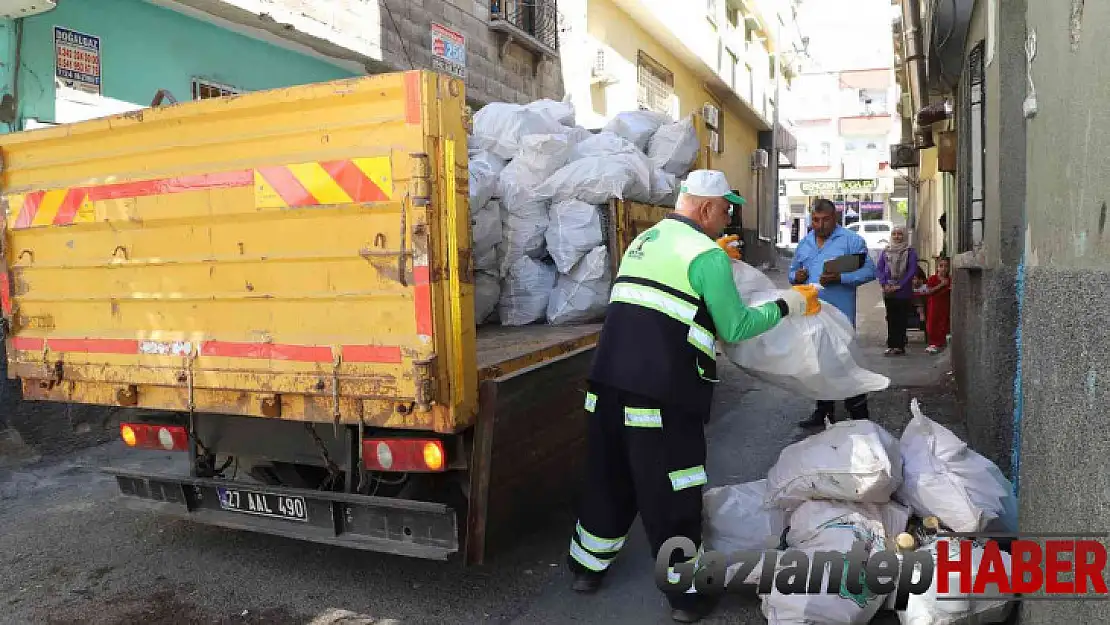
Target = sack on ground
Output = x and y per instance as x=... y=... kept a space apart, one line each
x=849 y=461
x=947 y=479
x=812 y=516
x=573 y=230
x=487 y=231
x=736 y=518
x=601 y=144
x=582 y=295
x=485 y=169
x=499 y=127
x=925 y=609
x=637 y=126
x=813 y=356
x=598 y=179
x=525 y=291
x=487 y=292
x=674 y=147
x=828 y=529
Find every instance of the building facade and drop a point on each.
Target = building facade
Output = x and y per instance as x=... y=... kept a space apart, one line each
x=1026 y=84
x=84 y=59
x=845 y=116
x=676 y=58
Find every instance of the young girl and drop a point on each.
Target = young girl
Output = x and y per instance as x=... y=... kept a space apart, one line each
x=938 y=290
x=919 y=279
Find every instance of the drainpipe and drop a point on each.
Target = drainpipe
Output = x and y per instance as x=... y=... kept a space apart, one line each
x=915 y=54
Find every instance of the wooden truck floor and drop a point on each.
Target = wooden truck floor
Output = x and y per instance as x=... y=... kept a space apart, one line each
x=502 y=350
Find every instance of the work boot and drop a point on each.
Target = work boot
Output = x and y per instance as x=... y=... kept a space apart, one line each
x=586 y=583
x=694 y=610
x=857 y=408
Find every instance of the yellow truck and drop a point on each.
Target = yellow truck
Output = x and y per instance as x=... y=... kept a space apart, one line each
x=279 y=285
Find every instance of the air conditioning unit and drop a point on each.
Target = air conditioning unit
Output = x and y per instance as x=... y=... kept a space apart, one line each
x=760 y=159
x=14 y=9
x=601 y=72
x=712 y=115
x=903 y=155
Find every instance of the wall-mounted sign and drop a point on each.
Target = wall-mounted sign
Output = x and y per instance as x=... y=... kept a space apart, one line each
x=77 y=60
x=797 y=188
x=448 y=51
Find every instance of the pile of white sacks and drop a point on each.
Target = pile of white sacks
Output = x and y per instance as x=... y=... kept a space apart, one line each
x=856 y=482
x=538 y=186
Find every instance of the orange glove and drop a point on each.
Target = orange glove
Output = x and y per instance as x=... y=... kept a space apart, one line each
x=731 y=246
x=813 y=304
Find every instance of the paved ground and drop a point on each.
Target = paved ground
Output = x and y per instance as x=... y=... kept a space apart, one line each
x=70 y=553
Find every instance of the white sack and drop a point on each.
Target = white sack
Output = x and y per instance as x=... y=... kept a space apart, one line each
x=577 y=136
x=562 y=112
x=813 y=356
x=664 y=188
x=924 y=609
x=637 y=126
x=811 y=517
x=735 y=518
x=582 y=295
x=538 y=158
x=602 y=144
x=487 y=234
x=522 y=235
x=833 y=530
x=485 y=169
x=487 y=292
x=947 y=479
x=753 y=576
x=598 y=179
x=499 y=127
x=525 y=292
x=849 y=461
x=574 y=229
x=674 y=147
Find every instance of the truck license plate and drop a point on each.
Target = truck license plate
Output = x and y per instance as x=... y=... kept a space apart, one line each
x=263 y=504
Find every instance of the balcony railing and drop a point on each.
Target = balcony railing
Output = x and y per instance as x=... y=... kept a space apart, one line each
x=535 y=24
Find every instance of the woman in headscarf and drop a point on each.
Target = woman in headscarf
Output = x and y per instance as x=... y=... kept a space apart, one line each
x=896 y=268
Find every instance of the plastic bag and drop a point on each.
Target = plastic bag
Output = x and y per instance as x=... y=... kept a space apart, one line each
x=499 y=127
x=602 y=144
x=525 y=292
x=807 y=521
x=562 y=112
x=637 y=126
x=577 y=136
x=925 y=609
x=828 y=528
x=736 y=518
x=674 y=147
x=849 y=461
x=947 y=479
x=487 y=292
x=574 y=229
x=598 y=179
x=487 y=234
x=582 y=295
x=485 y=169
x=664 y=188
x=814 y=356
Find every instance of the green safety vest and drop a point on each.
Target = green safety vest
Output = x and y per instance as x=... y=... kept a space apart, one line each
x=659 y=340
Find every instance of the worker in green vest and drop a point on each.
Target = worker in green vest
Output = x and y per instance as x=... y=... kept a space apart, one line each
x=652 y=382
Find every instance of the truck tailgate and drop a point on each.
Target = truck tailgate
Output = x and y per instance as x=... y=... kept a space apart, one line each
x=299 y=253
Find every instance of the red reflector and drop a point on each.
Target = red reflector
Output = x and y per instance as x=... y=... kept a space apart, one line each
x=404 y=455
x=153 y=436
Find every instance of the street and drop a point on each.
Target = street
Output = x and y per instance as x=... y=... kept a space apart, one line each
x=70 y=552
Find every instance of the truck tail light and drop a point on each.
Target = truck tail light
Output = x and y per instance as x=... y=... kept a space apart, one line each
x=403 y=455
x=147 y=436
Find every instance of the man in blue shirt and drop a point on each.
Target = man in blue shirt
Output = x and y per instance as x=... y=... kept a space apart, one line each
x=828 y=240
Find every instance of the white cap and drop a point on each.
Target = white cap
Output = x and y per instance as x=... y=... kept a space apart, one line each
x=710 y=183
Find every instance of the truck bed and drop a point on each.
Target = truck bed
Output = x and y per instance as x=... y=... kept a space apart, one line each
x=503 y=350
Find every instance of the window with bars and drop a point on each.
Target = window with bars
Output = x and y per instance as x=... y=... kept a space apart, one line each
x=973 y=131
x=205 y=89
x=655 y=85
